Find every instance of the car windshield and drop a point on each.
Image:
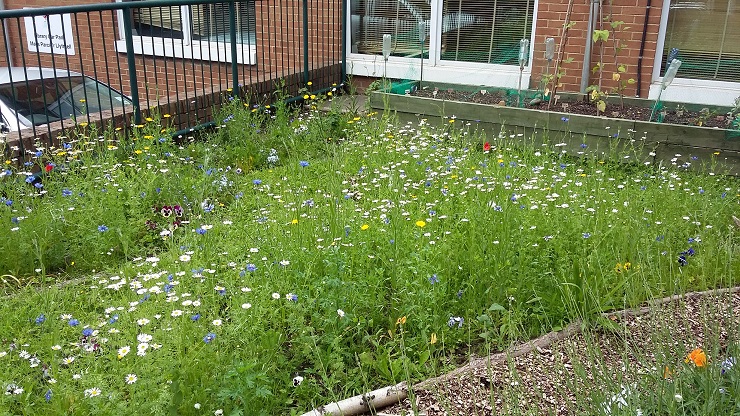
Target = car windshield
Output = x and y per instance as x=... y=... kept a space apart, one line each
x=53 y=99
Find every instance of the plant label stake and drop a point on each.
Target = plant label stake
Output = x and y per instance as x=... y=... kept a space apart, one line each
x=386 y=52
x=523 y=59
x=549 y=55
x=670 y=73
x=422 y=38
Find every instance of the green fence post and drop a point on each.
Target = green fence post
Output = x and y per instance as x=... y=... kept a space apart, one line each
x=232 y=33
x=128 y=30
x=344 y=41
x=305 y=42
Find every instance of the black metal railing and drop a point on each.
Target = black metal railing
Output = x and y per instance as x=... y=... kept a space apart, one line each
x=113 y=62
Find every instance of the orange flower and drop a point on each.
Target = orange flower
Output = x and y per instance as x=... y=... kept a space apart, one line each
x=698 y=357
x=667 y=373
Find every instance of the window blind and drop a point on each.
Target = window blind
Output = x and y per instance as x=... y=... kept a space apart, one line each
x=158 y=21
x=487 y=31
x=211 y=22
x=707 y=34
x=402 y=19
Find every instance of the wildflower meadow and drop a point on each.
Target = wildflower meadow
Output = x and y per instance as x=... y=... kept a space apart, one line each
x=294 y=257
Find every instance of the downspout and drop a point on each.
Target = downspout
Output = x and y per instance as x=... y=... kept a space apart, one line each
x=5 y=34
x=642 y=48
x=585 y=77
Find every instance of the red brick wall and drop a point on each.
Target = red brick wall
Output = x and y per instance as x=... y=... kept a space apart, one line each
x=550 y=18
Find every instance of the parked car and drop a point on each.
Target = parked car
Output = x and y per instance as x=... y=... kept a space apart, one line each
x=39 y=96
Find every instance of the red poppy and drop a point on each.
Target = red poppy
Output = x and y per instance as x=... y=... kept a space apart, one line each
x=486 y=147
x=49 y=168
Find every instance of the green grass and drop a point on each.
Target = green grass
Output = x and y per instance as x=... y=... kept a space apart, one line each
x=322 y=246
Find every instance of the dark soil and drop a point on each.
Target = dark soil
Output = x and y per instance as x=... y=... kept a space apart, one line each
x=706 y=117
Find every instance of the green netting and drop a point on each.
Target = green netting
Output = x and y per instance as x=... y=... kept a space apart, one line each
x=733 y=132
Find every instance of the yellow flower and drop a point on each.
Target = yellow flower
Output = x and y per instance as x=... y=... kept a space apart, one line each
x=138 y=152
x=149 y=119
x=82 y=100
x=166 y=116
x=313 y=97
x=618 y=268
x=364 y=227
x=433 y=340
x=627 y=265
x=329 y=93
x=420 y=223
x=295 y=221
x=698 y=357
x=401 y=320
x=83 y=124
x=309 y=83
x=305 y=97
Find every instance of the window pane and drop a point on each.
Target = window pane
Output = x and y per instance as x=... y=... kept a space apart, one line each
x=211 y=22
x=707 y=34
x=484 y=30
x=404 y=20
x=163 y=22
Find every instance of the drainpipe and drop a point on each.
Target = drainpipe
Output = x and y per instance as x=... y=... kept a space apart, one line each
x=642 y=48
x=5 y=34
x=585 y=73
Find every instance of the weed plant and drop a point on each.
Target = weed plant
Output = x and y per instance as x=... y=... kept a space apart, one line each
x=295 y=257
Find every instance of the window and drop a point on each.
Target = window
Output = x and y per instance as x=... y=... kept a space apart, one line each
x=707 y=34
x=482 y=31
x=198 y=31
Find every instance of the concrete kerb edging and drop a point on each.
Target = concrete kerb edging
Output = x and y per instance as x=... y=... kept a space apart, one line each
x=388 y=396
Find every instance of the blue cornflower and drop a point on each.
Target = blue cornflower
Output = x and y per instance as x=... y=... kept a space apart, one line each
x=102 y=228
x=727 y=364
x=257 y=181
x=87 y=332
x=660 y=238
x=66 y=192
x=200 y=231
x=29 y=179
x=38 y=185
x=40 y=319
x=691 y=240
x=73 y=322
x=113 y=319
x=195 y=317
x=303 y=163
x=682 y=260
x=167 y=288
x=209 y=337
x=586 y=235
x=48 y=395
x=251 y=267
x=584 y=145
x=38 y=153
x=15 y=220
x=433 y=279
x=724 y=195
x=564 y=119
x=292 y=297
x=67 y=146
x=157 y=190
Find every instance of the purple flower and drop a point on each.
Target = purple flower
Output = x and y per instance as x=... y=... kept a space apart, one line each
x=251 y=267
x=40 y=319
x=586 y=235
x=48 y=395
x=209 y=337
x=433 y=279
x=66 y=193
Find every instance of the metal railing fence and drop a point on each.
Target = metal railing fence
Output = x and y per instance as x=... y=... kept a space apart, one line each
x=176 y=57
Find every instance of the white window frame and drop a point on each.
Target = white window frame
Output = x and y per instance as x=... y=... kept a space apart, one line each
x=687 y=90
x=435 y=69
x=185 y=48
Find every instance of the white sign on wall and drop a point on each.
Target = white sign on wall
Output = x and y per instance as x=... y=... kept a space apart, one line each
x=50 y=34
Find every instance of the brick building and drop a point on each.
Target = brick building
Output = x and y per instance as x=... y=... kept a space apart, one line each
x=476 y=42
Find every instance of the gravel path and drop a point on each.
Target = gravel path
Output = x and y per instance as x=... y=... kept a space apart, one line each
x=575 y=371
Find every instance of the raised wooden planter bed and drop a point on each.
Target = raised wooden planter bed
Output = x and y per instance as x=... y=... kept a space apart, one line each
x=652 y=142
